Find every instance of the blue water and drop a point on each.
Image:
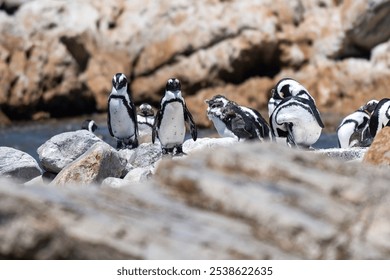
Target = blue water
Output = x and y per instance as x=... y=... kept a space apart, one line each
x=29 y=136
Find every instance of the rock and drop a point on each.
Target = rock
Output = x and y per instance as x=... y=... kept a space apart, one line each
x=147 y=154
x=190 y=146
x=379 y=151
x=139 y=174
x=128 y=156
x=349 y=154
x=18 y=165
x=64 y=148
x=96 y=164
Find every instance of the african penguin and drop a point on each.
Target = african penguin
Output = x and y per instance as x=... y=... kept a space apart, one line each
x=254 y=122
x=298 y=120
x=122 y=116
x=380 y=117
x=89 y=125
x=169 y=124
x=353 y=130
x=284 y=88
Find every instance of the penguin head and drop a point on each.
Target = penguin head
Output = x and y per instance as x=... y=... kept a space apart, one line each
x=287 y=87
x=173 y=85
x=89 y=125
x=216 y=104
x=370 y=106
x=119 y=81
x=146 y=110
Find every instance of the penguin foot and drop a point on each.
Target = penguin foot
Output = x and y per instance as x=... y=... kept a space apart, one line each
x=179 y=151
x=166 y=151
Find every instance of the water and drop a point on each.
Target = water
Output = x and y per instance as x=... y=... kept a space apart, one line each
x=27 y=137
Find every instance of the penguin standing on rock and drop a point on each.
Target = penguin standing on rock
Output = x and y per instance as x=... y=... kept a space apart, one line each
x=145 y=115
x=298 y=120
x=169 y=124
x=122 y=116
x=220 y=112
x=353 y=130
x=285 y=88
x=380 y=117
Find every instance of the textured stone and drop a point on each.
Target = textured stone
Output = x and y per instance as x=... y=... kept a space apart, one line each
x=64 y=148
x=18 y=165
x=379 y=151
x=96 y=164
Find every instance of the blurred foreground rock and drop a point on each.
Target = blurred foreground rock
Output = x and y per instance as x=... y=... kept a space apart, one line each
x=248 y=201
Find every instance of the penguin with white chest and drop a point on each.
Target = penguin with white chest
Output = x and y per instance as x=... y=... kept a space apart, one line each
x=353 y=130
x=380 y=117
x=285 y=88
x=89 y=125
x=231 y=119
x=122 y=115
x=170 y=121
x=298 y=120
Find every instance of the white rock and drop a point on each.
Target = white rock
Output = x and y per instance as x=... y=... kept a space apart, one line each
x=18 y=165
x=191 y=146
x=139 y=174
x=64 y=148
x=347 y=154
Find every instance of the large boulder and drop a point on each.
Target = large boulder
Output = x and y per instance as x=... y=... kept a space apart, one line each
x=18 y=165
x=64 y=148
x=96 y=164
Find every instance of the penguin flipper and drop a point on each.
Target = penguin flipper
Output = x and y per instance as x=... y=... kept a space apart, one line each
x=109 y=118
x=156 y=124
x=188 y=118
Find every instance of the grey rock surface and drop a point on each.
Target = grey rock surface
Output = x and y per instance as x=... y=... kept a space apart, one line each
x=18 y=165
x=97 y=163
x=64 y=148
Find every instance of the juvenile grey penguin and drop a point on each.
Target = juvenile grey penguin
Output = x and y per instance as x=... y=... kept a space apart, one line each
x=145 y=115
x=380 y=117
x=285 y=88
x=169 y=124
x=298 y=120
x=253 y=120
x=122 y=116
x=89 y=125
x=353 y=130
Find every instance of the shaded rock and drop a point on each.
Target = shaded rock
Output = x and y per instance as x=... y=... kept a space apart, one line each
x=18 y=165
x=304 y=204
x=128 y=156
x=379 y=151
x=96 y=164
x=64 y=148
x=344 y=154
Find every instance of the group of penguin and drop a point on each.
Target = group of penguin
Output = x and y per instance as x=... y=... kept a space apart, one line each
x=293 y=115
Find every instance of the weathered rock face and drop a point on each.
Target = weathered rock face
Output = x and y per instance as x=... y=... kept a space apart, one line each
x=64 y=148
x=99 y=162
x=66 y=58
x=18 y=165
x=379 y=151
x=248 y=201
